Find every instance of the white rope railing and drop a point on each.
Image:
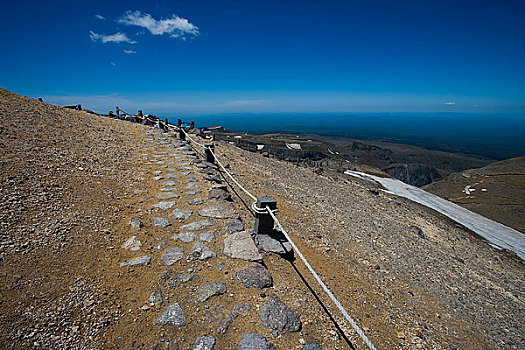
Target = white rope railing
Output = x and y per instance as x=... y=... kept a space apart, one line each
x=265 y=210
x=354 y=325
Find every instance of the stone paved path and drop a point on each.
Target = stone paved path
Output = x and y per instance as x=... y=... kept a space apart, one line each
x=194 y=223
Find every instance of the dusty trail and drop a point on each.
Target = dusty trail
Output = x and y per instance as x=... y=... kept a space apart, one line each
x=79 y=197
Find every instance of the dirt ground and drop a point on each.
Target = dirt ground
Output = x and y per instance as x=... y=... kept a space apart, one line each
x=410 y=278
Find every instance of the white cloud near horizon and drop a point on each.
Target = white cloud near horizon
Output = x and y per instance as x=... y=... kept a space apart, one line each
x=112 y=38
x=450 y=103
x=100 y=17
x=130 y=52
x=244 y=103
x=176 y=27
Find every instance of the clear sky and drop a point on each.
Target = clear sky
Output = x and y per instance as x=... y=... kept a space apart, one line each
x=214 y=56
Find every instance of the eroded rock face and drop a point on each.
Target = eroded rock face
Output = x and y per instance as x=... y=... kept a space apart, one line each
x=240 y=245
x=414 y=174
x=255 y=276
x=274 y=314
x=254 y=341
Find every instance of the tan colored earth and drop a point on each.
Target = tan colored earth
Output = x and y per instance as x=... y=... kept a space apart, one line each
x=410 y=278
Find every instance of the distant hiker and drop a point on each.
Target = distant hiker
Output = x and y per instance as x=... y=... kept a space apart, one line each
x=118 y=111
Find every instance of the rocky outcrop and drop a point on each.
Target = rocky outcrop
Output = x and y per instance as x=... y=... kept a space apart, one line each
x=414 y=174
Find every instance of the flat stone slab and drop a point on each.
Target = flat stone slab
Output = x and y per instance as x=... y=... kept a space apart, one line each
x=157 y=178
x=137 y=191
x=274 y=314
x=170 y=183
x=207 y=236
x=312 y=346
x=255 y=276
x=172 y=316
x=204 y=343
x=167 y=195
x=234 y=226
x=273 y=244
x=192 y=192
x=185 y=173
x=208 y=290
x=192 y=186
x=254 y=341
x=195 y=201
x=172 y=255
x=197 y=225
x=219 y=210
x=220 y=194
x=172 y=176
x=161 y=222
x=221 y=318
x=213 y=178
x=132 y=244
x=139 y=261
x=186 y=237
x=182 y=214
x=201 y=252
x=165 y=205
x=240 y=245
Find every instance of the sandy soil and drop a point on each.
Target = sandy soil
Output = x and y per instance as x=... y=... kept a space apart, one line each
x=411 y=278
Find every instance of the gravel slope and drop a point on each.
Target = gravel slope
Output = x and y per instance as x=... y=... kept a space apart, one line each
x=411 y=278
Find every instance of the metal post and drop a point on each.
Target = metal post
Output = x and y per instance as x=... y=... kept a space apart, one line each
x=182 y=135
x=264 y=222
x=209 y=148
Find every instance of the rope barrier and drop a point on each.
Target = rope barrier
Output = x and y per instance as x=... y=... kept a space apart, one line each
x=265 y=210
x=358 y=330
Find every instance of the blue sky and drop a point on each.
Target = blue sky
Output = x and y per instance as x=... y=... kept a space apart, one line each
x=201 y=57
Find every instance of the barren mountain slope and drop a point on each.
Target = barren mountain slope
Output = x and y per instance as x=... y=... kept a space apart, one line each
x=71 y=182
x=400 y=267
x=496 y=191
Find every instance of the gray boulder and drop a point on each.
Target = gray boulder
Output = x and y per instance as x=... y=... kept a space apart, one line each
x=274 y=314
x=186 y=237
x=255 y=276
x=312 y=346
x=161 y=222
x=201 y=252
x=172 y=316
x=254 y=341
x=219 y=210
x=172 y=255
x=204 y=343
x=240 y=245
x=182 y=214
x=208 y=290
